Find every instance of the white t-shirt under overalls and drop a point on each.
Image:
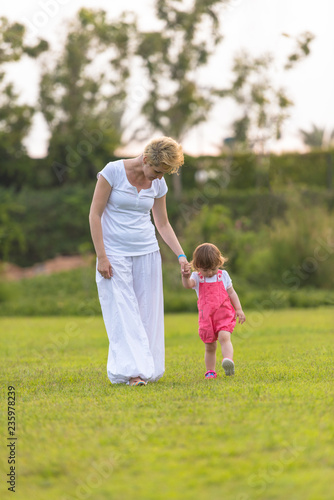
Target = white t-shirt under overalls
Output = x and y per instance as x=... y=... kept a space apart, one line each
x=225 y=277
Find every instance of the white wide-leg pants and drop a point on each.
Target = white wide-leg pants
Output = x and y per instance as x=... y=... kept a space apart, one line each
x=132 y=309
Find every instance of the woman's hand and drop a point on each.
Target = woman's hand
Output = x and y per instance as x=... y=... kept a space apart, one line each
x=104 y=267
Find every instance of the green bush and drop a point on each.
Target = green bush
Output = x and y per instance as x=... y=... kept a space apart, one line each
x=49 y=223
x=234 y=208
x=74 y=293
x=296 y=251
x=66 y=293
x=213 y=224
x=245 y=170
x=233 y=170
x=310 y=169
x=249 y=208
x=6 y=292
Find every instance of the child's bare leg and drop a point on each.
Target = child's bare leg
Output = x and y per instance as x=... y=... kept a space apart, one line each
x=227 y=352
x=226 y=344
x=210 y=356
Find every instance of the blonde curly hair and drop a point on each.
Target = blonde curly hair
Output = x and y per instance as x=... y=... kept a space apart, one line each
x=164 y=153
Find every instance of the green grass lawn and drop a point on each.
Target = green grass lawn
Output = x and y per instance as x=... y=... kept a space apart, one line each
x=266 y=433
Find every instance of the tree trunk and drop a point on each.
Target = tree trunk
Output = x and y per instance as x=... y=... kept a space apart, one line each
x=177 y=185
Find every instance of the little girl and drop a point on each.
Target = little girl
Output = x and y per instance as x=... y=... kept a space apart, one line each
x=216 y=298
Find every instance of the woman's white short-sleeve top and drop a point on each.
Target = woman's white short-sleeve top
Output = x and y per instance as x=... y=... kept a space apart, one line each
x=126 y=221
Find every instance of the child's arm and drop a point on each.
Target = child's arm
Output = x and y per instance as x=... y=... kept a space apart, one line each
x=186 y=281
x=236 y=304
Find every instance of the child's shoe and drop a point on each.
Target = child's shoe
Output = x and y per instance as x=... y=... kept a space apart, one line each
x=210 y=374
x=228 y=366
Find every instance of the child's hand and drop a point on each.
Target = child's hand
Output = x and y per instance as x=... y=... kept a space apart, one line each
x=187 y=270
x=240 y=314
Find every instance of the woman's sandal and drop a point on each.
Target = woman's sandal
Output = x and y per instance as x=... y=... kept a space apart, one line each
x=210 y=374
x=137 y=382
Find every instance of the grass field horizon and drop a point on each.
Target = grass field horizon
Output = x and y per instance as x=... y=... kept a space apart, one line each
x=266 y=433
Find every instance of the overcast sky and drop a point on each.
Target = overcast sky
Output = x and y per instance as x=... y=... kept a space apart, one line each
x=255 y=25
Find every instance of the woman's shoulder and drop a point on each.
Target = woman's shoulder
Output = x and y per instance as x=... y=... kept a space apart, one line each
x=160 y=187
x=115 y=165
x=112 y=171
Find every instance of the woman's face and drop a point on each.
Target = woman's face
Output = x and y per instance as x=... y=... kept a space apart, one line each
x=151 y=172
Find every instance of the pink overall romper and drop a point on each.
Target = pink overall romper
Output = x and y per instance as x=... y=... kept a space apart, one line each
x=215 y=311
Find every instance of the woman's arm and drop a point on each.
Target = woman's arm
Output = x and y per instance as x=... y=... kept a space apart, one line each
x=99 y=202
x=166 y=231
x=236 y=304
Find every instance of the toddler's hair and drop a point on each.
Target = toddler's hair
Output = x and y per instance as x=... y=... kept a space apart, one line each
x=207 y=256
x=164 y=153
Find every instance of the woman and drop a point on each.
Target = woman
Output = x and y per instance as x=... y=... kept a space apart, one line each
x=128 y=275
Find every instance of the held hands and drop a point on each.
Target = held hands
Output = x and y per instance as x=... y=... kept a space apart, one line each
x=240 y=315
x=185 y=267
x=186 y=273
x=104 y=267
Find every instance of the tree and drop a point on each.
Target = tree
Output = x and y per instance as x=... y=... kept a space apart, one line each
x=15 y=118
x=82 y=96
x=11 y=234
x=171 y=56
x=317 y=137
x=264 y=106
